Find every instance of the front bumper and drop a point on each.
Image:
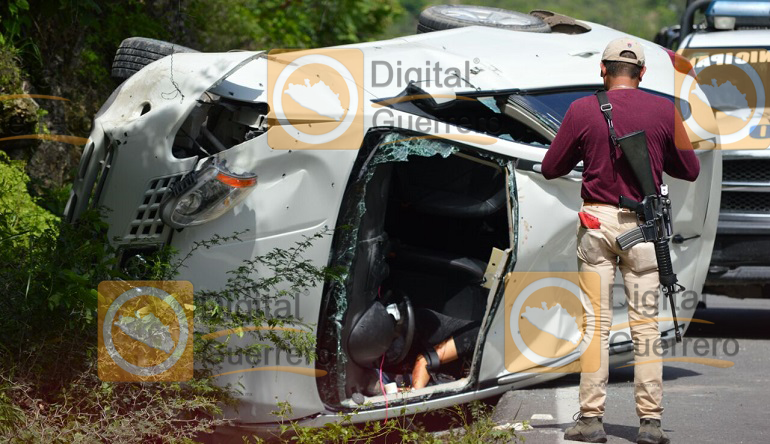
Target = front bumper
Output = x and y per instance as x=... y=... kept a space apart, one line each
x=745 y=249
x=739 y=282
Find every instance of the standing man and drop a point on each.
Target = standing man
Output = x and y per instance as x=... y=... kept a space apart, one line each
x=584 y=135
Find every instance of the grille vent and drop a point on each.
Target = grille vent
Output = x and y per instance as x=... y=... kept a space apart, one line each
x=737 y=202
x=147 y=224
x=754 y=170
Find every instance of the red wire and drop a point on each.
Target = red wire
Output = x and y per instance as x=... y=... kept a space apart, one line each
x=382 y=387
x=382 y=363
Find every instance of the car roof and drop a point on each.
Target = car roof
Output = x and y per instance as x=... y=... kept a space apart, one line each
x=744 y=38
x=516 y=60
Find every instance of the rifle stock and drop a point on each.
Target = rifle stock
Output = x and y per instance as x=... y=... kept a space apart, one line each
x=634 y=147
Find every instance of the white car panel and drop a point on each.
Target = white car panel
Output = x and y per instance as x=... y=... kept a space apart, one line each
x=300 y=192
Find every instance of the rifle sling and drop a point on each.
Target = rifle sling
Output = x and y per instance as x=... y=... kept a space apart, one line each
x=606 y=107
x=634 y=149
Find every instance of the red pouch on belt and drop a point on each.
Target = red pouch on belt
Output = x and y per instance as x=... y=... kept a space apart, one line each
x=589 y=221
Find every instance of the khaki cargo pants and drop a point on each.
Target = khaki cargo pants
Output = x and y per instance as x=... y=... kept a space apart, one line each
x=598 y=252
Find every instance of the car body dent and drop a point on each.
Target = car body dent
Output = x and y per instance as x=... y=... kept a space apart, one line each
x=170 y=86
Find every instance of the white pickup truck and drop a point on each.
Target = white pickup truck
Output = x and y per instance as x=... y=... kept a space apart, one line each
x=729 y=52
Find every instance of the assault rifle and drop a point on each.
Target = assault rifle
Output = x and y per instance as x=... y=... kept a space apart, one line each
x=653 y=212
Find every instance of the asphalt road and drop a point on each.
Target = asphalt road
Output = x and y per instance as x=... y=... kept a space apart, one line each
x=703 y=404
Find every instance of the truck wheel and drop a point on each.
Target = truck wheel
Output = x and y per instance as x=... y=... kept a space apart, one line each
x=134 y=53
x=437 y=18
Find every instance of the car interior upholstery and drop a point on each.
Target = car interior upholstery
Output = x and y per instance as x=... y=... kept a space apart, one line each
x=424 y=243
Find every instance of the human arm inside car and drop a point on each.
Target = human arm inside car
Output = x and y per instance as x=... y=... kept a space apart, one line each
x=564 y=153
x=445 y=352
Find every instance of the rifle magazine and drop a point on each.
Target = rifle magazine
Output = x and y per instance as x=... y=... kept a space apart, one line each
x=630 y=238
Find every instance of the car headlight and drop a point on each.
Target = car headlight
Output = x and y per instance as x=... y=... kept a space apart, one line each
x=205 y=194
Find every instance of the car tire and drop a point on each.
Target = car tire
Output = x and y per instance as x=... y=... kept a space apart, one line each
x=134 y=53
x=441 y=17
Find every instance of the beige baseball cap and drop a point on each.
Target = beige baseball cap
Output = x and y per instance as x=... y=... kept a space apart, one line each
x=617 y=46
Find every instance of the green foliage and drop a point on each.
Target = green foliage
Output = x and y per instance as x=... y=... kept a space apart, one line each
x=66 y=47
x=49 y=389
x=91 y=67
x=10 y=413
x=13 y=18
x=87 y=410
x=10 y=73
x=45 y=265
x=641 y=18
x=251 y=24
x=467 y=424
x=20 y=216
x=17 y=116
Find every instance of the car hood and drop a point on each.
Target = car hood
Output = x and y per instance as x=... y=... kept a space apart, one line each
x=487 y=59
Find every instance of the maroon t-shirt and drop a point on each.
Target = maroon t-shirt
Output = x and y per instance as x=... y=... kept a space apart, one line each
x=584 y=135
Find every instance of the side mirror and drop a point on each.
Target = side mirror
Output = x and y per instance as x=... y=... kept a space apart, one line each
x=668 y=36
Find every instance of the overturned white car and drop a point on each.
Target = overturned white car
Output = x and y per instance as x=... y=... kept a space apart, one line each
x=428 y=146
